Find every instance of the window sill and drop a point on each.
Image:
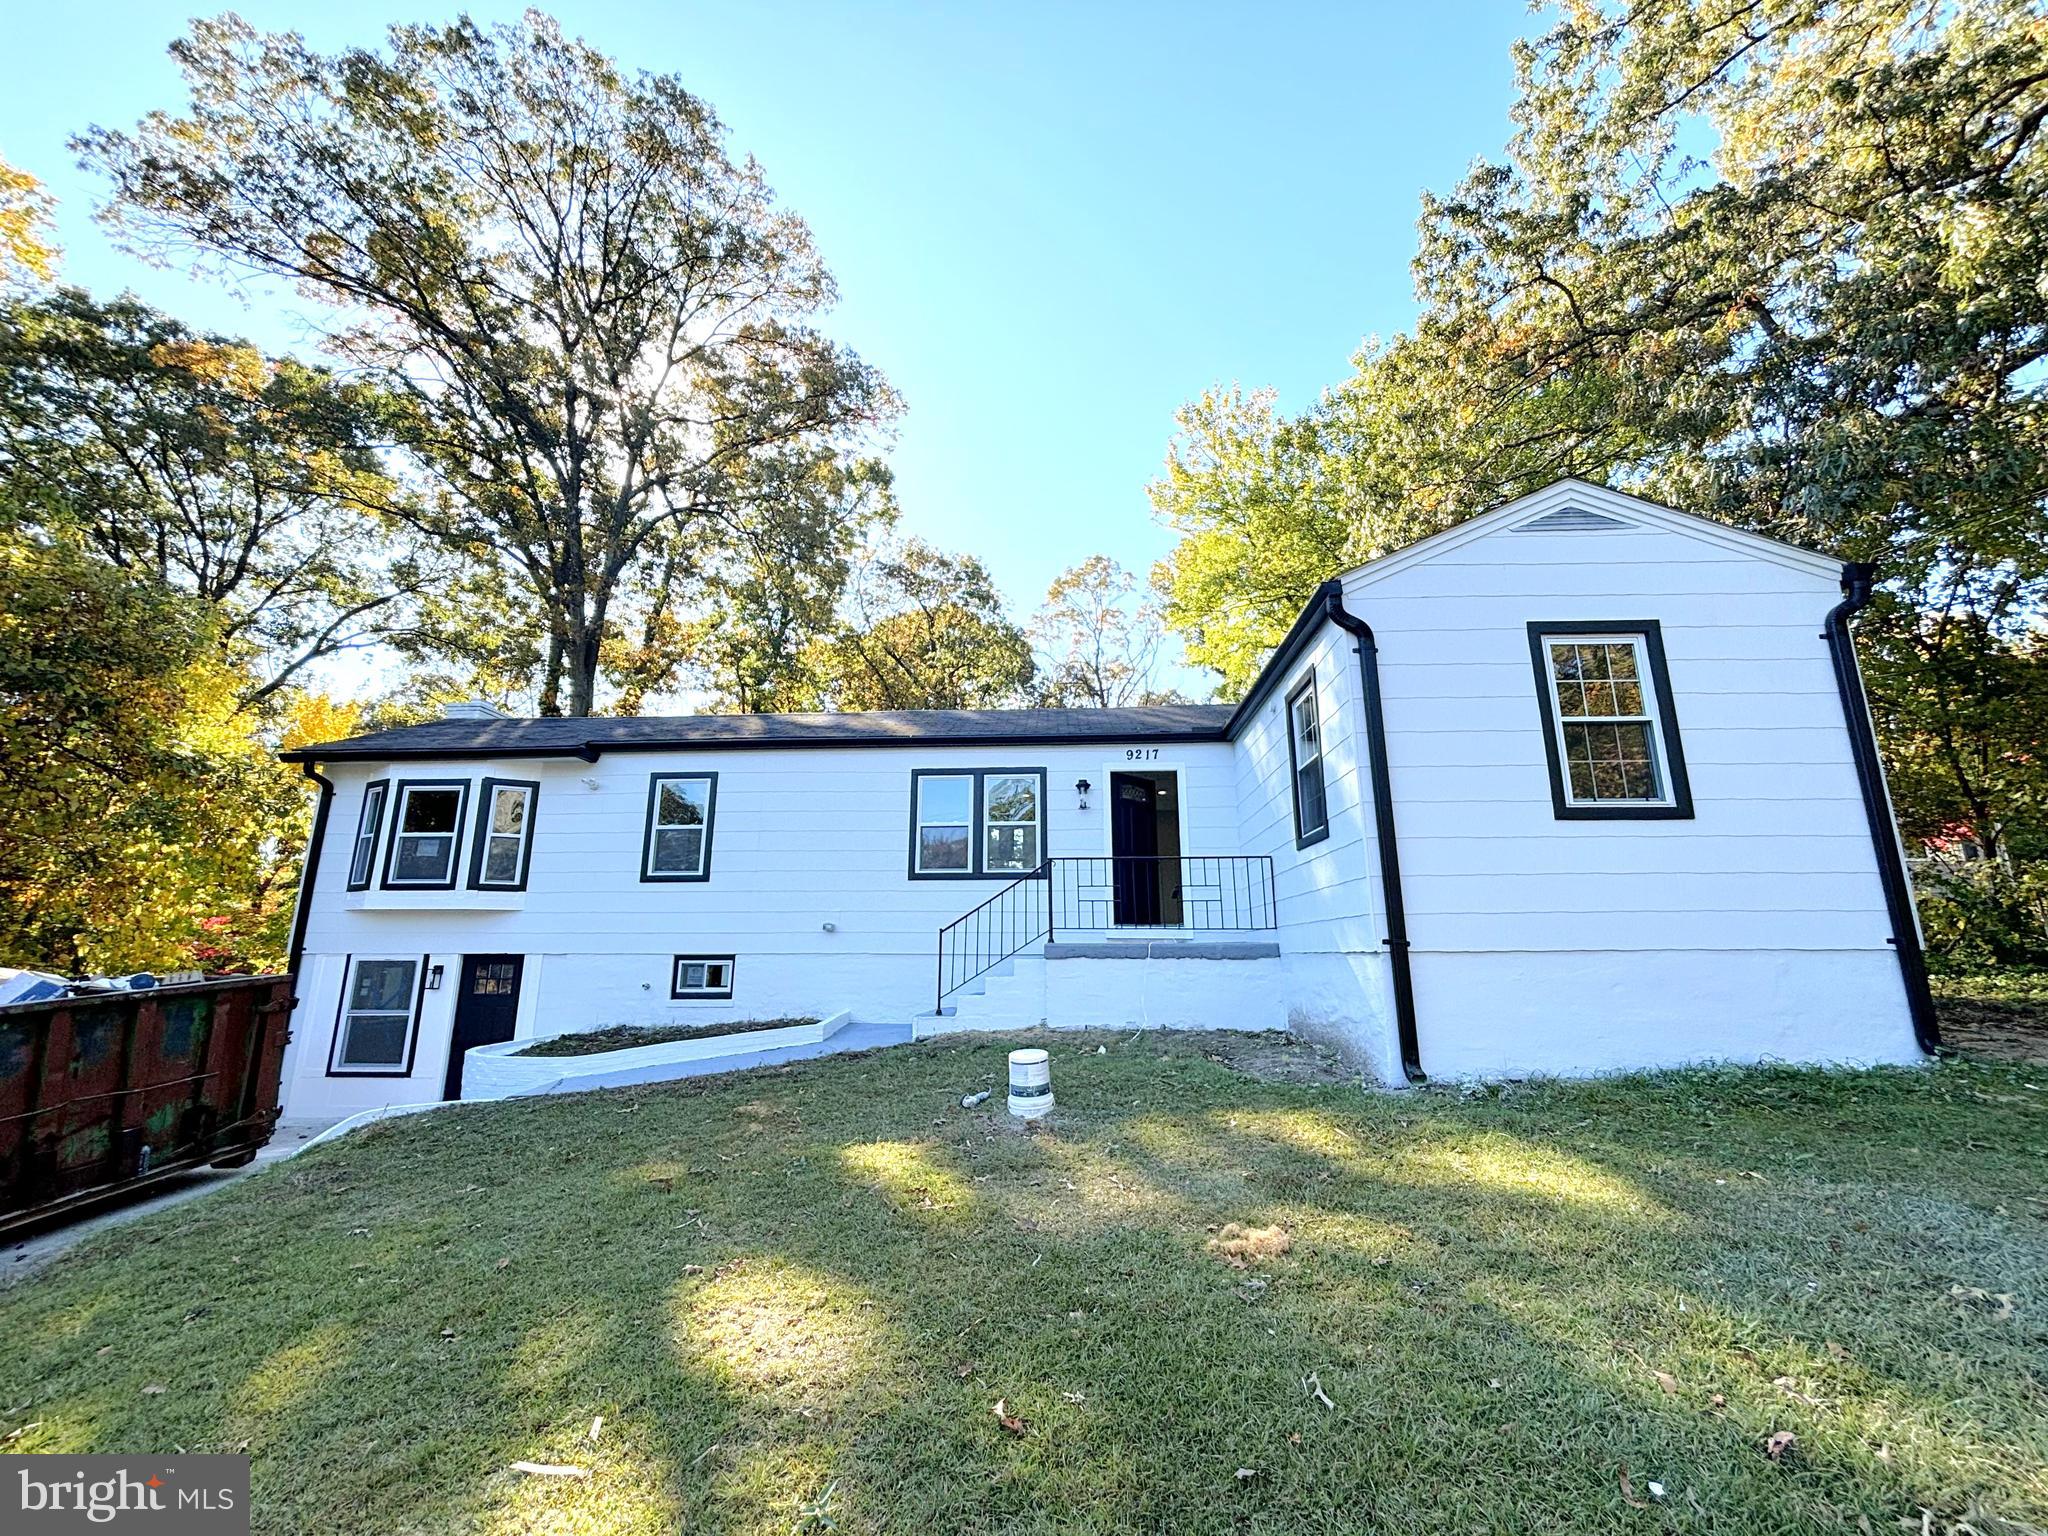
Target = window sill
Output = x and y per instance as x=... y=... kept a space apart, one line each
x=375 y=900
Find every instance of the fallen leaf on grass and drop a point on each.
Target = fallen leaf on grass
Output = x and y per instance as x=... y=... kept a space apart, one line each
x=1246 y=1474
x=1312 y=1384
x=1776 y=1447
x=1007 y=1419
x=2000 y=1302
x=15 y=1434
x=1667 y=1381
x=152 y=1390
x=1628 y=1492
x=549 y=1469
x=1790 y=1388
x=596 y=1428
x=503 y=1264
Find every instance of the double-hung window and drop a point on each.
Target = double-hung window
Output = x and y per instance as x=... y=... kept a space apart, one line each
x=1305 y=759
x=681 y=810
x=426 y=831
x=362 y=860
x=1610 y=733
x=976 y=823
x=373 y=1031
x=504 y=835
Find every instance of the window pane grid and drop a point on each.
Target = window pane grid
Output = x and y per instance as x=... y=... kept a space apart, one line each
x=1608 y=735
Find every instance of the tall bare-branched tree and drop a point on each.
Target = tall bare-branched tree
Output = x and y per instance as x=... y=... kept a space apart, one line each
x=600 y=324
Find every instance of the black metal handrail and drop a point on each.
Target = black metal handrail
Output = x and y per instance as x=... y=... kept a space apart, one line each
x=1202 y=893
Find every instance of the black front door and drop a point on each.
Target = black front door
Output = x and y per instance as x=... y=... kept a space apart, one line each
x=1134 y=840
x=485 y=1010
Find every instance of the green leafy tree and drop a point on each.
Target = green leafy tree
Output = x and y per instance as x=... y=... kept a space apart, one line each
x=27 y=255
x=924 y=630
x=242 y=480
x=1767 y=260
x=599 y=323
x=143 y=824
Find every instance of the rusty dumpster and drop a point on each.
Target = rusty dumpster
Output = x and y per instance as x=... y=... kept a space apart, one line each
x=105 y=1094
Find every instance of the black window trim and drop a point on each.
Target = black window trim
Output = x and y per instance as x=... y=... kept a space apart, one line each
x=394 y=810
x=676 y=993
x=703 y=871
x=1307 y=837
x=412 y=1027
x=481 y=837
x=375 y=828
x=977 y=830
x=1652 y=636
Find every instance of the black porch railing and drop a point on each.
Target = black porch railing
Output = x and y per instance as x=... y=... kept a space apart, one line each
x=1206 y=893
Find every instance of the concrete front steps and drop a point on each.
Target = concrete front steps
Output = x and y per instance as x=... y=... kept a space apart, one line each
x=1123 y=982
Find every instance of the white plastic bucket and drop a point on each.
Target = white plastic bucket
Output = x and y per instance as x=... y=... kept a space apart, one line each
x=1030 y=1084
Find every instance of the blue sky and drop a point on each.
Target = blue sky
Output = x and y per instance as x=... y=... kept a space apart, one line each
x=1051 y=224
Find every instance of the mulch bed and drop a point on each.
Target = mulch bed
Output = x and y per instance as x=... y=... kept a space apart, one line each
x=626 y=1037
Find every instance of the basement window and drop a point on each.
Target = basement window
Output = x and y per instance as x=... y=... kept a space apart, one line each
x=373 y=1031
x=1610 y=734
x=706 y=977
x=425 y=833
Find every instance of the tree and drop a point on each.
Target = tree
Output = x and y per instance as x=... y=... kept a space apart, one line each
x=26 y=254
x=925 y=630
x=598 y=322
x=144 y=825
x=1829 y=329
x=242 y=480
x=1097 y=641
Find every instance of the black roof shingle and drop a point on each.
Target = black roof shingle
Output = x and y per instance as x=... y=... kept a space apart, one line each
x=557 y=736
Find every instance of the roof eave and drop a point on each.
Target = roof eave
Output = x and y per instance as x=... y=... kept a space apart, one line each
x=343 y=752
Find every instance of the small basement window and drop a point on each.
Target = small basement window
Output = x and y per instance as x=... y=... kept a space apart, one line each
x=1305 y=758
x=681 y=809
x=363 y=858
x=982 y=823
x=425 y=833
x=702 y=976
x=1610 y=734
x=373 y=1033
x=504 y=836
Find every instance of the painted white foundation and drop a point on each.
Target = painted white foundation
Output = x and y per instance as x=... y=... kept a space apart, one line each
x=500 y=1072
x=1499 y=1015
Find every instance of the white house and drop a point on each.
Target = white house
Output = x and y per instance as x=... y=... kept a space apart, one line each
x=1582 y=784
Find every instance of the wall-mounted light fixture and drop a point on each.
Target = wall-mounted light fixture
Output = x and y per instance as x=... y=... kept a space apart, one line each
x=1081 y=789
x=434 y=978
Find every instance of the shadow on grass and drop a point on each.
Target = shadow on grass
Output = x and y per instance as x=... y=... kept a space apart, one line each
x=827 y=1277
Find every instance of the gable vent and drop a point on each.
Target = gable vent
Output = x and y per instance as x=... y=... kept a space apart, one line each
x=1573 y=520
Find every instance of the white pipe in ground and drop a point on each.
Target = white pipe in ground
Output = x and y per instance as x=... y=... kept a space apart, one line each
x=1030 y=1084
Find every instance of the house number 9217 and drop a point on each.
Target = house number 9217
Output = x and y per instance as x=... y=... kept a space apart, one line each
x=1140 y=754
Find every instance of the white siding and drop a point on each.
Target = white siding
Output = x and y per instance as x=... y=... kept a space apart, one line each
x=802 y=838
x=1756 y=928
x=1329 y=903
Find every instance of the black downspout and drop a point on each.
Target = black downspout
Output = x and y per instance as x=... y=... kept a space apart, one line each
x=1857 y=581
x=303 y=913
x=1383 y=825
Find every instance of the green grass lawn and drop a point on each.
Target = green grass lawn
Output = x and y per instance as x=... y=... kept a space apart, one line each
x=798 y=1298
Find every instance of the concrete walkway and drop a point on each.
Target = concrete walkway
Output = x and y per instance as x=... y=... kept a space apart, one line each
x=21 y=1257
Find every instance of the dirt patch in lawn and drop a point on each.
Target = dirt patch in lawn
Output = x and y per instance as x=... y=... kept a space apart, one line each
x=1272 y=1057
x=626 y=1037
x=1996 y=1015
